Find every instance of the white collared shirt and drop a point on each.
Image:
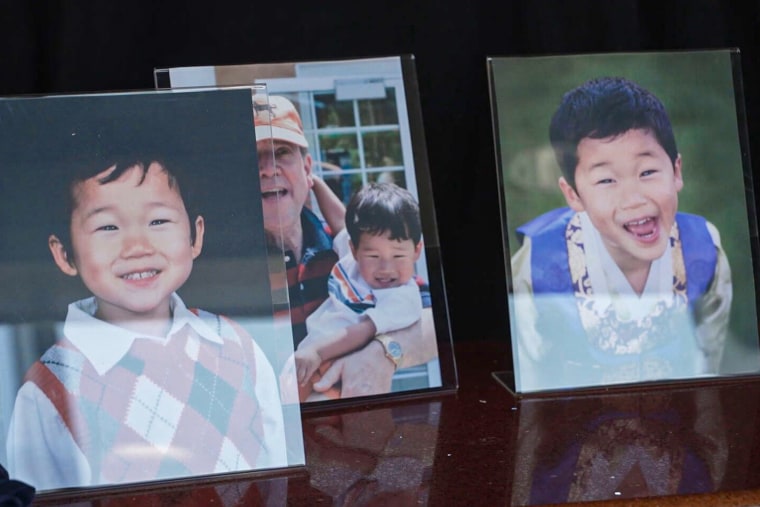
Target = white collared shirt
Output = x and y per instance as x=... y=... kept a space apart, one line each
x=86 y=332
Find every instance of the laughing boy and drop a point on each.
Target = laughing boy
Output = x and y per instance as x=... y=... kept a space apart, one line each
x=619 y=286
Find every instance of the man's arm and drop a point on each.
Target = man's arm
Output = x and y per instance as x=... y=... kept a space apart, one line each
x=346 y=339
x=331 y=207
x=368 y=371
x=418 y=341
x=313 y=351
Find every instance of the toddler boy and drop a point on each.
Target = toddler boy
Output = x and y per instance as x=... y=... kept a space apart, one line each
x=372 y=289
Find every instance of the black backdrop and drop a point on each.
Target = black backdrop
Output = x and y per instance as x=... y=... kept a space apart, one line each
x=101 y=45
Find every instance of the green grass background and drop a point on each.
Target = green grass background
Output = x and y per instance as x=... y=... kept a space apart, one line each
x=697 y=89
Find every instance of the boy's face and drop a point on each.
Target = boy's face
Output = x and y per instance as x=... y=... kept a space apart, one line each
x=384 y=262
x=629 y=188
x=285 y=183
x=130 y=243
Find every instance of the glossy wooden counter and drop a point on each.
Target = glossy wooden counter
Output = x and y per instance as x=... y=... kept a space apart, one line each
x=479 y=447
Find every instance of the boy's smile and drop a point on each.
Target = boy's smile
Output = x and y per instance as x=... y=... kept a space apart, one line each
x=629 y=188
x=385 y=263
x=131 y=244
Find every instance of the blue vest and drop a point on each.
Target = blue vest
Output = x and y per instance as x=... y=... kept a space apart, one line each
x=558 y=317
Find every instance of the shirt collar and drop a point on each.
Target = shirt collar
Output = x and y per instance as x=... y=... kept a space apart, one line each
x=88 y=333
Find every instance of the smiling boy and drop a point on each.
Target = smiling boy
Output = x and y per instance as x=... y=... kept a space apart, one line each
x=619 y=286
x=628 y=187
x=140 y=387
x=372 y=289
x=132 y=244
x=286 y=177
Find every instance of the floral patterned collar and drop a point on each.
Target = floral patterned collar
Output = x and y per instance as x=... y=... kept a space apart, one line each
x=607 y=329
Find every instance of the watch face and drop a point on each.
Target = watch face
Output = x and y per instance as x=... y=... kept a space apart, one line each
x=394 y=349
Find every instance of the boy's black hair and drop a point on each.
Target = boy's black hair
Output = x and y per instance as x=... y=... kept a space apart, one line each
x=606 y=107
x=381 y=207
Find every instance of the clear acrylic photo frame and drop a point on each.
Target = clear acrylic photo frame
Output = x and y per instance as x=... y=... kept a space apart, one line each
x=708 y=121
x=206 y=137
x=318 y=86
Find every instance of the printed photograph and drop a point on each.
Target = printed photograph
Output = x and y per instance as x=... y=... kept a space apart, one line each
x=342 y=179
x=136 y=293
x=625 y=202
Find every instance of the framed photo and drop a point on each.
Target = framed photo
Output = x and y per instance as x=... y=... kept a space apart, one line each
x=136 y=291
x=359 y=131
x=628 y=218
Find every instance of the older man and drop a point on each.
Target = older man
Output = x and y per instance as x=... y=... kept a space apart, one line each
x=285 y=168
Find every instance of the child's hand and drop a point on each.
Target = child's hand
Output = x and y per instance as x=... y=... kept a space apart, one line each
x=307 y=362
x=289 y=392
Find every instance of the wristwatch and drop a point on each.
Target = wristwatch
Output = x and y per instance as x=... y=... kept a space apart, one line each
x=392 y=348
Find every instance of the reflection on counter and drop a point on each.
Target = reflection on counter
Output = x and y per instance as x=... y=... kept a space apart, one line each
x=374 y=457
x=622 y=446
x=493 y=449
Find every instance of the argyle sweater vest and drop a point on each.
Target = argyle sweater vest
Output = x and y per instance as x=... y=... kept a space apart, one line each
x=178 y=408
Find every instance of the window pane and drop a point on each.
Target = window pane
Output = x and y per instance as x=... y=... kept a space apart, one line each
x=343 y=184
x=339 y=183
x=382 y=149
x=340 y=150
x=379 y=111
x=398 y=177
x=333 y=113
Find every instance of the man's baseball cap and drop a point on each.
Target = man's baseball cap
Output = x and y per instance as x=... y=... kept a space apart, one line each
x=283 y=117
